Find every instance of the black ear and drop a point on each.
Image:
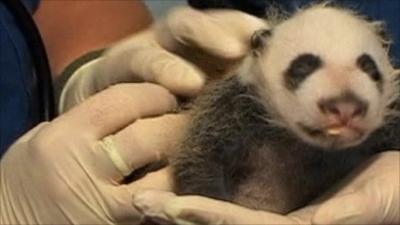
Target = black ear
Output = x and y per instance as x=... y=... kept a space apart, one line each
x=383 y=32
x=259 y=40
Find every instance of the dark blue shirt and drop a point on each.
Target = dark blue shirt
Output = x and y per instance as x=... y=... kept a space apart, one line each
x=15 y=79
x=384 y=10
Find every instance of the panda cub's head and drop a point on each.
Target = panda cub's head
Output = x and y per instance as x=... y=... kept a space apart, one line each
x=327 y=75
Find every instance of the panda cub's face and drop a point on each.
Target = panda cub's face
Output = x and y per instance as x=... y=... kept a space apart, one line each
x=328 y=77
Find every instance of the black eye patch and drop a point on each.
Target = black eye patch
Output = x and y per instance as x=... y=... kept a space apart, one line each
x=368 y=66
x=300 y=68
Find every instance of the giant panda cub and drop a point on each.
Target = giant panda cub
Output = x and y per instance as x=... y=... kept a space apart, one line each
x=317 y=96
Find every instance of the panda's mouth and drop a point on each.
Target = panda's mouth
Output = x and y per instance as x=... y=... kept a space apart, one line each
x=340 y=135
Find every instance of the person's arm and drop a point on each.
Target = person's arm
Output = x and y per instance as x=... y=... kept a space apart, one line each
x=73 y=28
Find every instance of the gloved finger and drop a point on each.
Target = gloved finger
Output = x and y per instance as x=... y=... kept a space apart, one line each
x=304 y=215
x=222 y=33
x=147 y=141
x=186 y=210
x=124 y=194
x=114 y=108
x=141 y=58
x=162 y=67
x=377 y=202
x=370 y=196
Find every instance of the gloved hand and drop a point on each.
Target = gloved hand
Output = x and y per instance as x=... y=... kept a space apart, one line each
x=371 y=195
x=170 y=53
x=70 y=171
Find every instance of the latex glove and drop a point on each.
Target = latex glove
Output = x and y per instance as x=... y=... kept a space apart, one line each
x=370 y=196
x=170 y=53
x=69 y=171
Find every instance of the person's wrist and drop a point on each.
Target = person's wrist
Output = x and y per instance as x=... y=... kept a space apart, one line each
x=78 y=84
x=63 y=78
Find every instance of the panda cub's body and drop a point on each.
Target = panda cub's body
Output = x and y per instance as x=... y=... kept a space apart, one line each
x=315 y=101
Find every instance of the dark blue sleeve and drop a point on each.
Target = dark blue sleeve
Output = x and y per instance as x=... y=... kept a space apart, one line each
x=17 y=112
x=32 y=5
x=384 y=10
x=254 y=7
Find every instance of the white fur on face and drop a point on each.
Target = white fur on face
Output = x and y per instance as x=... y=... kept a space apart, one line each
x=338 y=38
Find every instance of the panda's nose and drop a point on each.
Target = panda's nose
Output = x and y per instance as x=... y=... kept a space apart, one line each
x=344 y=108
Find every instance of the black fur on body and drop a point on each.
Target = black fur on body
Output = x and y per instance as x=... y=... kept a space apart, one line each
x=232 y=153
